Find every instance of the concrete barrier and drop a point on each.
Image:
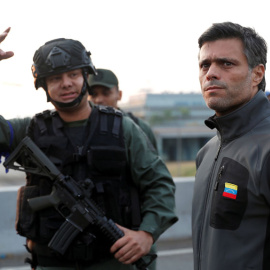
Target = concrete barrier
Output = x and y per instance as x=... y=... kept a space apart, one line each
x=11 y=243
x=183 y=201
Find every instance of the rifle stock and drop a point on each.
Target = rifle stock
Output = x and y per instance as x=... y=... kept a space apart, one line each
x=83 y=211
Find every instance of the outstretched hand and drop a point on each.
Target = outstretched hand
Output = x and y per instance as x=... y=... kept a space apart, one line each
x=132 y=246
x=3 y=54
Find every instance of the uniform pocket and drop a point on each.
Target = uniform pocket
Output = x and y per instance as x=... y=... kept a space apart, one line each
x=25 y=217
x=229 y=200
x=110 y=160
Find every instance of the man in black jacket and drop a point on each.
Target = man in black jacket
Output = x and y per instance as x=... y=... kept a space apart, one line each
x=231 y=205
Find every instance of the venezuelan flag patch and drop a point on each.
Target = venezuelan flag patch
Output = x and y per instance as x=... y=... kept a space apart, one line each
x=230 y=191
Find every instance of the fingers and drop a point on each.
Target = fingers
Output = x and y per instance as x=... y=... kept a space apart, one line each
x=3 y=54
x=4 y=34
x=132 y=246
x=120 y=242
x=129 y=254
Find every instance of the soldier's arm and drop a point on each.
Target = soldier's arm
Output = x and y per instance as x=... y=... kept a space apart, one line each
x=156 y=190
x=12 y=132
x=155 y=184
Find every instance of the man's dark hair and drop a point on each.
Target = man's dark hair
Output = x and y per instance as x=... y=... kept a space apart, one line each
x=255 y=47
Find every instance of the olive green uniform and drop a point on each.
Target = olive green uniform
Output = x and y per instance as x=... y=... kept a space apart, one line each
x=144 y=126
x=148 y=131
x=148 y=171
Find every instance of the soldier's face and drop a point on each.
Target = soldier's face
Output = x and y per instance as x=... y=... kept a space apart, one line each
x=105 y=96
x=65 y=87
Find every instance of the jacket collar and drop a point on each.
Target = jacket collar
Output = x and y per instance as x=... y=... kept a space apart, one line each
x=240 y=121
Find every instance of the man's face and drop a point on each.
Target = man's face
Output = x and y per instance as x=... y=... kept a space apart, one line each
x=106 y=96
x=226 y=80
x=65 y=87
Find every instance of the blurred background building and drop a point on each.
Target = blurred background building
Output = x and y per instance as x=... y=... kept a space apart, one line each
x=177 y=121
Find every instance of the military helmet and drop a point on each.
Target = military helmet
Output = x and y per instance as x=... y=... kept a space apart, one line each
x=58 y=56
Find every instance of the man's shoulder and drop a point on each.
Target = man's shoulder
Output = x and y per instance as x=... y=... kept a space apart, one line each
x=144 y=126
x=107 y=109
x=127 y=120
x=46 y=114
x=140 y=122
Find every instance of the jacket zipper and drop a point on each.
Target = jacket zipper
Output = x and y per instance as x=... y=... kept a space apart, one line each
x=218 y=151
x=218 y=178
x=206 y=200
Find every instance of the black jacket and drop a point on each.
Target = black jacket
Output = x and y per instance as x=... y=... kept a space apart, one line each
x=231 y=204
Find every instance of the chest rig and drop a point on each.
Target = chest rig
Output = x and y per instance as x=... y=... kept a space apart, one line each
x=94 y=150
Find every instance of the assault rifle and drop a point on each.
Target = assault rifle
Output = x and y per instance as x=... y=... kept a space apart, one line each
x=66 y=195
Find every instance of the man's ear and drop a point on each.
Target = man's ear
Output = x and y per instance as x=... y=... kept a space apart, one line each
x=258 y=73
x=120 y=94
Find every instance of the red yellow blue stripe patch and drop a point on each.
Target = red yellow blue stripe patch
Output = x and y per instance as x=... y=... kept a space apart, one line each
x=230 y=190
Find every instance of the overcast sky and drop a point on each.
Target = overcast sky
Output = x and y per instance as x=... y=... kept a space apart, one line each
x=149 y=44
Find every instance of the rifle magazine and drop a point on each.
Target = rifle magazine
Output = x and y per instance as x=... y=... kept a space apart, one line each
x=63 y=237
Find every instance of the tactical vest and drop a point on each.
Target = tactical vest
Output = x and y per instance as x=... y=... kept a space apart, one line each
x=95 y=151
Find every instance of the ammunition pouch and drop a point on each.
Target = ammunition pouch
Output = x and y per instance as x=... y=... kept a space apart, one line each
x=26 y=224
